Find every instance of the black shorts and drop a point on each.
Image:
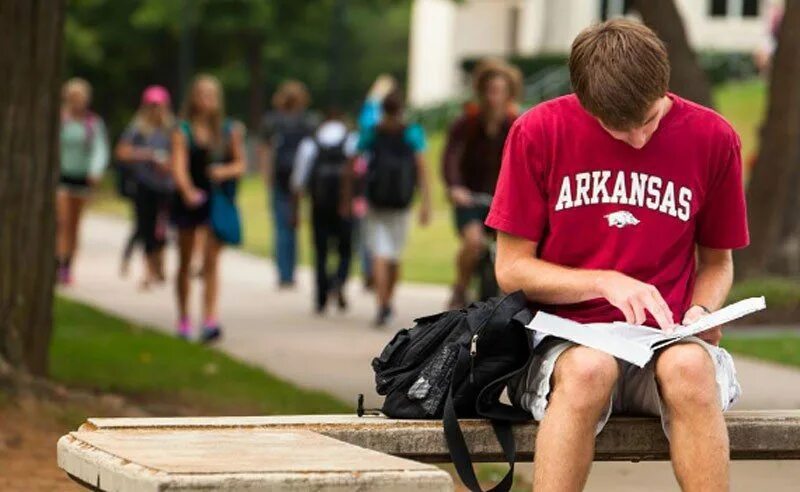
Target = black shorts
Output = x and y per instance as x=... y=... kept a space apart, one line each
x=467 y=215
x=74 y=185
x=184 y=217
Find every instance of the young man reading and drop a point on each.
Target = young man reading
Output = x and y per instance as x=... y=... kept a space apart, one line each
x=622 y=202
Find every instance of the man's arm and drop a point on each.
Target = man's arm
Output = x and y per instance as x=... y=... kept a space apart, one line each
x=451 y=165
x=714 y=280
x=517 y=267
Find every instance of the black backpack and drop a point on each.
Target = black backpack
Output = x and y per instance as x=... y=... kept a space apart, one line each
x=285 y=150
x=126 y=182
x=454 y=365
x=326 y=176
x=392 y=171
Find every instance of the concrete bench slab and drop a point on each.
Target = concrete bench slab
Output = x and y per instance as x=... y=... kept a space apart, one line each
x=157 y=459
x=346 y=452
x=754 y=435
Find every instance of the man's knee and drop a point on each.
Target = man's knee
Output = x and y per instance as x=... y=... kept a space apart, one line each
x=686 y=377
x=584 y=378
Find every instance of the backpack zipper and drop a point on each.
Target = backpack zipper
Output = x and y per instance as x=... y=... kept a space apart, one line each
x=473 y=351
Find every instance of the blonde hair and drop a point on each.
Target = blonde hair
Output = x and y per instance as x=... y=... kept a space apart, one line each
x=189 y=108
x=291 y=95
x=144 y=126
x=77 y=84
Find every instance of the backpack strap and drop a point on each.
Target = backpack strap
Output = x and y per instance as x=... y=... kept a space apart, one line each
x=487 y=405
x=186 y=128
x=457 y=445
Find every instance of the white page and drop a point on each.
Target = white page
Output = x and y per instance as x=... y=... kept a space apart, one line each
x=635 y=343
x=595 y=335
x=725 y=315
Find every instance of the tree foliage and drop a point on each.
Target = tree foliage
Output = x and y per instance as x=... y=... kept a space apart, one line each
x=252 y=45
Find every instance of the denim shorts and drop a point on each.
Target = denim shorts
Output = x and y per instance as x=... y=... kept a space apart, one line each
x=636 y=390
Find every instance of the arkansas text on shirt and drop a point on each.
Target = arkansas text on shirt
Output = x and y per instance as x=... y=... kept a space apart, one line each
x=591 y=201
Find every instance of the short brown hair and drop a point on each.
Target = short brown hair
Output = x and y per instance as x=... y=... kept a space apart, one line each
x=291 y=95
x=618 y=69
x=489 y=68
x=393 y=103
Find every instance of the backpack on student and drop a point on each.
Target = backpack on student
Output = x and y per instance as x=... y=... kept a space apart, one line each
x=285 y=150
x=454 y=365
x=126 y=183
x=325 y=182
x=392 y=171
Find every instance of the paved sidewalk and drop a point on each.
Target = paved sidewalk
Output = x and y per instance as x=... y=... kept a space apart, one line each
x=276 y=330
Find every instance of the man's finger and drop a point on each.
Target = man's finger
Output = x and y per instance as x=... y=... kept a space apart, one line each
x=638 y=312
x=628 y=312
x=663 y=319
x=661 y=301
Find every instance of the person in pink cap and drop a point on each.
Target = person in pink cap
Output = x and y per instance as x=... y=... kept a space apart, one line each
x=144 y=150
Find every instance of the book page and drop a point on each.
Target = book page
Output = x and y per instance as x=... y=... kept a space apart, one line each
x=635 y=343
x=725 y=315
x=594 y=335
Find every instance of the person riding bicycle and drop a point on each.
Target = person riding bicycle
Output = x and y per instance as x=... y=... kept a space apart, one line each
x=471 y=161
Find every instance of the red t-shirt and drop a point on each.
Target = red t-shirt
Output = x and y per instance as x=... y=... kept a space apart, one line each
x=594 y=202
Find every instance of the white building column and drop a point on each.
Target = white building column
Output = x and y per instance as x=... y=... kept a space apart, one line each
x=432 y=67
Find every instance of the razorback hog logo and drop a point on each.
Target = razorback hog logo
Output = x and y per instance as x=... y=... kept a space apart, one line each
x=621 y=219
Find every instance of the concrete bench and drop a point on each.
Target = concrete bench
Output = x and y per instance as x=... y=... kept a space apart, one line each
x=344 y=452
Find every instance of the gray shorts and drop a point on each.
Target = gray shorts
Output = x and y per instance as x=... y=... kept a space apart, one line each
x=636 y=391
x=386 y=232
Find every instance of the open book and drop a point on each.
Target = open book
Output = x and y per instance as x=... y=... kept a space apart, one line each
x=634 y=343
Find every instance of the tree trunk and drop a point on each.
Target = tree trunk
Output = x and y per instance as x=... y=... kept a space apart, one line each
x=30 y=72
x=255 y=68
x=780 y=149
x=687 y=78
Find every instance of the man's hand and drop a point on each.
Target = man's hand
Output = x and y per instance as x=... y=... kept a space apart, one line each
x=695 y=313
x=460 y=196
x=633 y=298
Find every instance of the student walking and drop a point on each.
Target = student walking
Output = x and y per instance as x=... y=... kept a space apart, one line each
x=395 y=170
x=369 y=116
x=207 y=151
x=144 y=148
x=319 y=170
x=471 y=162
x=84 y=157
x=282 y=130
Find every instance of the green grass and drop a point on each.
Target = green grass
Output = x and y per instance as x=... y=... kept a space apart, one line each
x=743 y=104
x=783 y=293
x=783 y=349
x=429 y=255
x=96 y=351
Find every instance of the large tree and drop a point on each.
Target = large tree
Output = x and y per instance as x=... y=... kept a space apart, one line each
x=771 y=181
x=687 y=78
x=30 y=64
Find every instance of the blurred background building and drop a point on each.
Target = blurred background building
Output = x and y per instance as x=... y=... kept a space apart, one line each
x=445 y=36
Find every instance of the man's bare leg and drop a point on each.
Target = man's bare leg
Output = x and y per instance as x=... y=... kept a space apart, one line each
x=467 y=258
x=698 y=435
x=582 y=384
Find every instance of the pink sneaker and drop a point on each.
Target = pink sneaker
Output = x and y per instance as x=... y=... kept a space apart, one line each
x=64 y=275
x=184 y=328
